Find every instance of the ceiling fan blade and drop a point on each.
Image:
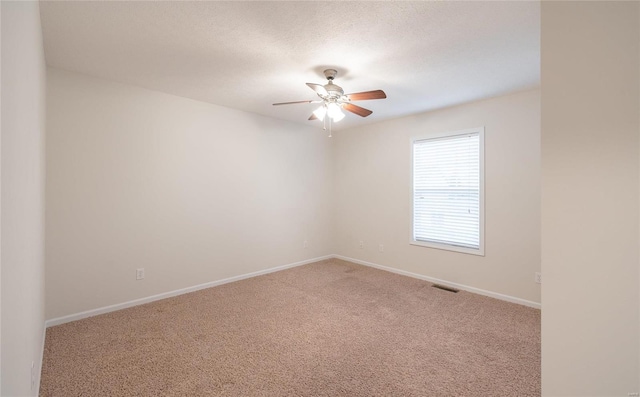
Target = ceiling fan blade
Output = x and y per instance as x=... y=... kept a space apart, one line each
x=356 y=109
x=361 y=96
x=313 y=117
x=319 y=89
x=291 y=103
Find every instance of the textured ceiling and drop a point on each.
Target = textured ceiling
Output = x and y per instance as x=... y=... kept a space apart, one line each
x=248 y=55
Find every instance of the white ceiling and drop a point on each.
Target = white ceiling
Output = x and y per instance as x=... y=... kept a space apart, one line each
x=248 y=55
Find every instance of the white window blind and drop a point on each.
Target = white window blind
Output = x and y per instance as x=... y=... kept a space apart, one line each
x=447 y=191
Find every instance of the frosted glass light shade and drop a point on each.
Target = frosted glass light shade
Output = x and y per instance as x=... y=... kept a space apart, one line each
x=334 y=112
x=320 y=112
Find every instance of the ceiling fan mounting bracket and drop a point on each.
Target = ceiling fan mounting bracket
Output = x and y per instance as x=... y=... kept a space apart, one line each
x=330 y=74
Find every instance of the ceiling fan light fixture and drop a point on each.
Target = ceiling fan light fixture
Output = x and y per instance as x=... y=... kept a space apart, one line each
x=333 y=110
x=334 y=100
x=320 y=112
x=337 y=116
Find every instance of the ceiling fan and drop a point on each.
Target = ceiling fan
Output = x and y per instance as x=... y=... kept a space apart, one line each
x=333 y=99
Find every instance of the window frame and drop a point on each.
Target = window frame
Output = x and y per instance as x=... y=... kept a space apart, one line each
x=442 y=246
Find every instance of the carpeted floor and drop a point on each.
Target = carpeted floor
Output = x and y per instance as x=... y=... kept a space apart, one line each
x=330 y=328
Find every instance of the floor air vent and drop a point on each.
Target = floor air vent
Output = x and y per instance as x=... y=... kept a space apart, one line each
x=445 y=288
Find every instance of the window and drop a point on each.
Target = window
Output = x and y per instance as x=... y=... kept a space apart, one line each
x=448 y=191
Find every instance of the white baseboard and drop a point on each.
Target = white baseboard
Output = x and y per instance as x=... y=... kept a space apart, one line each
x=478 y=291
x=39 y=373
x=106 y=309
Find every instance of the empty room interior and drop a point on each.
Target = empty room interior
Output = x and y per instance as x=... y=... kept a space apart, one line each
x=289 y=198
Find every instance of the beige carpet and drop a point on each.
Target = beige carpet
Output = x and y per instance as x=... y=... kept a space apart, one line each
x=330 y=328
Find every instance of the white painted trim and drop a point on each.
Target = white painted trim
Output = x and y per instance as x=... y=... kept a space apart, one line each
x=119 y=306
x=474 y=290
x=44 y=337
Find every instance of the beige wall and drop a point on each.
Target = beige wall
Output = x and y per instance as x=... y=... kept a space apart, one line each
x=22 y=170
x=590 y=126
x=372 y=167
x=190 y=191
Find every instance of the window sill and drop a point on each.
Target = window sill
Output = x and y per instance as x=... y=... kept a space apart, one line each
x=446 y=247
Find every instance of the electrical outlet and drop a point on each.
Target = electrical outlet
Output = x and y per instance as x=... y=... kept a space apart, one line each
x=381 y=248
x=140 y=274
x=538 y=277
x=305 y=244
x=361 y=244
